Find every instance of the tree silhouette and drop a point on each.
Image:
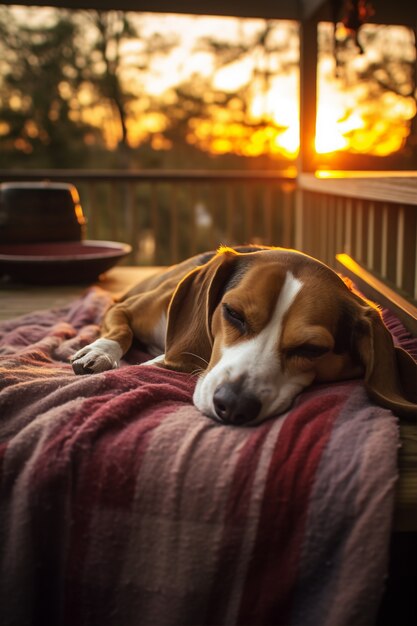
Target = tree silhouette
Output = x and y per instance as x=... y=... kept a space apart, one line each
x=223 y=120
x=40 y=80
x=115 y=77
x=382 y=72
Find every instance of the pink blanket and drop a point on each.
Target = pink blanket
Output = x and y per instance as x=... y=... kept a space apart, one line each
x=122 y=505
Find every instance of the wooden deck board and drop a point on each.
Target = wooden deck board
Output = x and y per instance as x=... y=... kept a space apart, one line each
x=16 y=300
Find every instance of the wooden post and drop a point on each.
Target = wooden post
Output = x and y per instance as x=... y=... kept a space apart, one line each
x=308 y=108
x=308 y=94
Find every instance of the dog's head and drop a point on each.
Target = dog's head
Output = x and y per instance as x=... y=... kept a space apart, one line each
x=261 y=326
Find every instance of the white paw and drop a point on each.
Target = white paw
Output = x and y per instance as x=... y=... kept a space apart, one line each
x=158 y=359
x=99 y=356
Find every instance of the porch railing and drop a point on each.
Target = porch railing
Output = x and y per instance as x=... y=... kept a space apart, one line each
x=168 y=215
x=371 y=216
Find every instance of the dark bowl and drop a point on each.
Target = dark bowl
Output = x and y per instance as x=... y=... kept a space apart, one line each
x=67 y=262
x=43 y=211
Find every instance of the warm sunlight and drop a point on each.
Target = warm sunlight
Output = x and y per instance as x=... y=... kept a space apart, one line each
x=330 y=111
x=281 y=105
x=348 y=116
x=242 y=89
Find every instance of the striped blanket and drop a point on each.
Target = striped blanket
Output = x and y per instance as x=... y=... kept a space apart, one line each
x=122 y=505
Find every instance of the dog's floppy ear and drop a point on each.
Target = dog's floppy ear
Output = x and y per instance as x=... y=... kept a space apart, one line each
x=390 y=372
x=188 y=338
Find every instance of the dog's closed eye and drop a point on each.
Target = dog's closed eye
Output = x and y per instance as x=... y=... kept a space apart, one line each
x=308 y=351
x=234 y=317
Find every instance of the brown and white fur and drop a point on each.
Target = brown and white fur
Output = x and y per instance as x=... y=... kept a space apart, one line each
x=259 y=325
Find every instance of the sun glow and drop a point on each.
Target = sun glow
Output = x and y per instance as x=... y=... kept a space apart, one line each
x=348 y=117
x=340 y=126
x=349 y=114
x=330 y=113
x=265 y=119
x=271 y=122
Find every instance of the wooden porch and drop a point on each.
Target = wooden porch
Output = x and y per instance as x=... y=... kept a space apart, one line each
x=370 y=217
x=362 y=223
x=165 y=216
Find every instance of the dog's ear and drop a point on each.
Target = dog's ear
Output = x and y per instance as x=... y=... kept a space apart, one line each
x=390 y=372
x=188 y=339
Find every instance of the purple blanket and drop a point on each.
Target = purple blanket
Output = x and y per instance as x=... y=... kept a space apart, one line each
x=122 y=505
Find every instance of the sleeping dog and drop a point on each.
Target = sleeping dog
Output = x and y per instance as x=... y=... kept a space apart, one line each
x=258 y=325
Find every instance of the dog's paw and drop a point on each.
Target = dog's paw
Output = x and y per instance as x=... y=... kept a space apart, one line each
x=99 y=356
x=158 y=360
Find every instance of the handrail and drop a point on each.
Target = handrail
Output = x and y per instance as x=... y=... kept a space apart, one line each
x=379 y=291
x=379 y=186
x=149 y=175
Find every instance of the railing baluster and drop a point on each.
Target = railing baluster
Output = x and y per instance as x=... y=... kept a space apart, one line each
x=192 y=225
x=359 y=230
x=230 y=218
x=324 y=227
x=392 y=240
x=113 y=210
x=409 y=247
x=267 y=216
x=248 y=213
x=313 y=217
x=384 y=242
x=92 y=205
x=301 y=226
x=399 y=265
x=287 y=231
x=131 y=219
x=370 y=246
x=214 y=211
x=154 y=218
x=348 y=227
x=339 y=225
x=377 y=237
x=174 y=226
x=331 y=233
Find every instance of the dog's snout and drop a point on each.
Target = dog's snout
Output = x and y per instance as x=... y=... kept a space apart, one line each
x=235 y=406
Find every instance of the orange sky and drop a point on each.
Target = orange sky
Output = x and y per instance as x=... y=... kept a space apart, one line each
x=377 y=128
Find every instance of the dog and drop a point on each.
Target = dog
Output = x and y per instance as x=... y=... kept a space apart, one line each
x=258 y=325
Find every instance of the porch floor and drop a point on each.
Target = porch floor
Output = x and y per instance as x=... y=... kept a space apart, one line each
x=19 y=299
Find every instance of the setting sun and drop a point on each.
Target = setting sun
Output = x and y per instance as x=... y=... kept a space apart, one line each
x=365 y=118
x=232 y=86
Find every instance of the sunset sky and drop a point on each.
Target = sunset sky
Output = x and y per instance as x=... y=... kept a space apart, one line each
x=345 y=119
x=378 y=127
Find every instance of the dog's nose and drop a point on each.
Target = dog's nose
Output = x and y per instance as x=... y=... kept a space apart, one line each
x=235 y=406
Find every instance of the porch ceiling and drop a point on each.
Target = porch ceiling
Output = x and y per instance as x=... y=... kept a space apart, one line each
x=398 y=12
x=281 y=9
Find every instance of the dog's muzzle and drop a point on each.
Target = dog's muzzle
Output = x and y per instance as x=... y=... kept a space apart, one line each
x=235 y=406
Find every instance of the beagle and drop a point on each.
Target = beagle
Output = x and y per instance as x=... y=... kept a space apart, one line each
x=258 y=325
